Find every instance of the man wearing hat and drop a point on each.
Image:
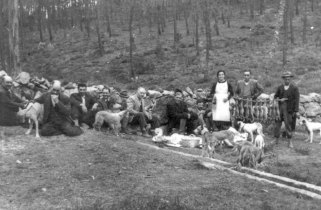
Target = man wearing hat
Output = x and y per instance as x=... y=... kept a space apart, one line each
x=82 y=106
x=179 y=116
x=56 y=118
x=288 y=96
x=9 y=103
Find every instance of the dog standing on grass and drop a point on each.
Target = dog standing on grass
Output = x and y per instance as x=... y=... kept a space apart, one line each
x=310 y=127
x=250 y=128
x=34 y=113
x=249 y=155
x=209 y=142
x=112 y=119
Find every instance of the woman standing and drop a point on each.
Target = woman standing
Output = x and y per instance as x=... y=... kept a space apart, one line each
x=221 y=91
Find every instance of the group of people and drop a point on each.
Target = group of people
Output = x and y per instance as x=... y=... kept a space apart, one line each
x=65 y=115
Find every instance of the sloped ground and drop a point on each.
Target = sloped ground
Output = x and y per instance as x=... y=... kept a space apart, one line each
x=100 y=171
x=246 y=45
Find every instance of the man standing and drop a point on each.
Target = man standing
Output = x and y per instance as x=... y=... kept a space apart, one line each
x=288 y=96
x=179 y=116
x=248 y=87
x=9 y=103
x=138 y=114
x=82 y=106
x=56 y=118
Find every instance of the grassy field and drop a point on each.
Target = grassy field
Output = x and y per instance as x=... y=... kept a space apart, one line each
x=101 y=171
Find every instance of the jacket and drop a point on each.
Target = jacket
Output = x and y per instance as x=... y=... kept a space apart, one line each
x=9 y=106
x=293 y=96
x=255 y=88
x=133 y=106
x=63 y=106
x=76 y=100
x=177 y=109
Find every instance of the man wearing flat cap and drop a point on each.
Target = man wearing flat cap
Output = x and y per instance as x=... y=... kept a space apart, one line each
x=179 y=116
x=288 y=96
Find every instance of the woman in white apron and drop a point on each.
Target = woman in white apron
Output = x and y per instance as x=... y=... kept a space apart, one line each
x=221 y=91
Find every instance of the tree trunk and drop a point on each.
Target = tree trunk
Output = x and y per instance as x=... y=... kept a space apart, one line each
x=49 y=23
x=39 y=14
x=261 y=7
x=297 y=2
x=131 y=42
x=14 y=36
x=291 y=20
x=186 y=15
x=100 y=46
x=285 y=27
x=87 y=18
x=251 y=2
x=2 y=39
x=229 y=16
x=175 y=23
x=196 y=34
x=312 y=5
x=305 y=22
x=107 y=18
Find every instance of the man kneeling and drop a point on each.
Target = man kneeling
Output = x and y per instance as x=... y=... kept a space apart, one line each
x=56 y=118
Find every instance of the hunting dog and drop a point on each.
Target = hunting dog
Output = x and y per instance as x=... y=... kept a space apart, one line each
x=310 y=127
x=112 y=119
x=250 y=128
x=34 y=113
x=249 y=155
x=259 y=141
x=214 y=139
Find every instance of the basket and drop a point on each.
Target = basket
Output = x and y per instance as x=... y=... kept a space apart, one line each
x=191 y=141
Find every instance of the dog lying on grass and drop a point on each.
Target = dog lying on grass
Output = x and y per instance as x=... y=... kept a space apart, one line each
x=249 y=155
x=112 y=119
x=34 y=113
x=250 y=128
x=310 y=127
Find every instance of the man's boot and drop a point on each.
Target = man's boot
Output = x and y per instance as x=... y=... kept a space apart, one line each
x=145 y=134
x=182 y=126
x=124 y=125
x=76 y=122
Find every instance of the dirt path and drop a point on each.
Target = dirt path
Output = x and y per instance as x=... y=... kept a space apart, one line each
x=101 y=170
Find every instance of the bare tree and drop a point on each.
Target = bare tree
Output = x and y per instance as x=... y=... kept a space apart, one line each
x=14 y=48
x=285 y=28
x=305 y=22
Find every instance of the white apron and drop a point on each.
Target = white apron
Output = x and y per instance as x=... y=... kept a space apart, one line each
x=221 y=110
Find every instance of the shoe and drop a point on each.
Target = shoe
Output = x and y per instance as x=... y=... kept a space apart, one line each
x=290 y=144
x=146 y=135
x=125 y=131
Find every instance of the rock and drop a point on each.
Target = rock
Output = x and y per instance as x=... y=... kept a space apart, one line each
x=305 y=99
x=312 y=109
x=301 y=109
x=315 y=97
x=3 y=73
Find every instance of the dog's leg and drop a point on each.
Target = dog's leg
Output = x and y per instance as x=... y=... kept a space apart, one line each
x=311 y=137
x=30 y=127
x=252 y=137
x=37 y=129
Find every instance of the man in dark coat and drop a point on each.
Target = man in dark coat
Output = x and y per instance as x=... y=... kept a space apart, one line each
x=82 y=106
x=57 y=119
x=179 y=116
x=9 y=104
x=288 y=96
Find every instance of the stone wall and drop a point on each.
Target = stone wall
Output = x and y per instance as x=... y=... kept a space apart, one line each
x=310 y=106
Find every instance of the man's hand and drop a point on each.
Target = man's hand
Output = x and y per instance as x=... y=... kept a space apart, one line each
x=296 y=114
x=55 y=99
x=283 y=99
x=83 y=108
x=95 y=106
x=225 y=100
x=188 y=116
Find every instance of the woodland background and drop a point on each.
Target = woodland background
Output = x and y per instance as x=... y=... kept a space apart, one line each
x=162 y=43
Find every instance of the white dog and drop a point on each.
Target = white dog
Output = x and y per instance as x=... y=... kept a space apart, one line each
x=310 y=127
x=250 y=128
x=33 y=112
x=259 y=141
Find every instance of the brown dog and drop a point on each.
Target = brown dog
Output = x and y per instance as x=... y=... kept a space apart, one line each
x=112 y=119
x=249 y=155
x=209 y=142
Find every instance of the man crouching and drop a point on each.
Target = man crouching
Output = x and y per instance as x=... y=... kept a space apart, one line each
x=57 y=119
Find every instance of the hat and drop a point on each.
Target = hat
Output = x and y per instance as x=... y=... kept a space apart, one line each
x=287 y=74
x=124 y=94
x=178 y=91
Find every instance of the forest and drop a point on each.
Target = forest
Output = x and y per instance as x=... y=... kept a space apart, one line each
x=180 y=42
